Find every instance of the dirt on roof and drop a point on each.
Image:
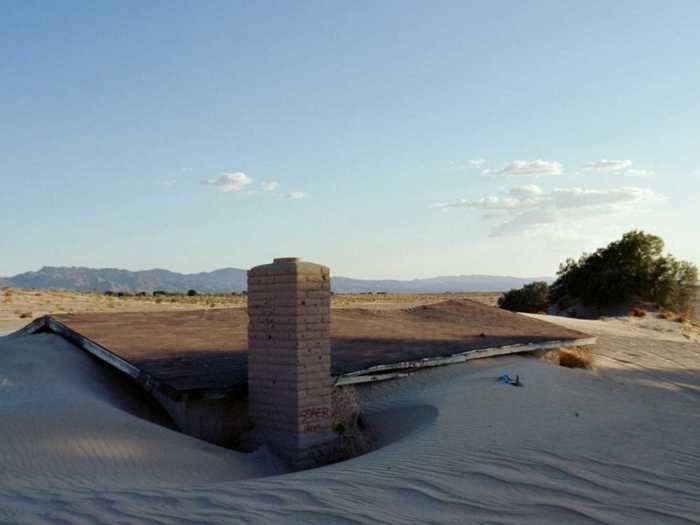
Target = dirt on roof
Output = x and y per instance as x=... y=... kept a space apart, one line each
x=207 y=349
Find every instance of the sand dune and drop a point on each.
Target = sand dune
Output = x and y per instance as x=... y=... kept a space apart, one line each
x=653 y=352
x=68 y=421
x=455 y=446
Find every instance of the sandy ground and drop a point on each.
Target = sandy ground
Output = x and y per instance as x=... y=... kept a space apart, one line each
x=9 y=326
x=19 y=306
x=618 y=445
x=26 y=304
x=648 y=351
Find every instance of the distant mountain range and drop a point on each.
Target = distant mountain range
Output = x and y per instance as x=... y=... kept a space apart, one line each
x=234 y=280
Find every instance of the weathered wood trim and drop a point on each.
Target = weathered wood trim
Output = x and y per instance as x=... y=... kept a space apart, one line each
x=464 y=356
x=354 y=380
x=90 y=346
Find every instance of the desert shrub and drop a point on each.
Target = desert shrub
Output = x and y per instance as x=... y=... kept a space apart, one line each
x=109 y=293
x=156 y=293
x=25 y=315
x=191 y=293
x=633 y=267
x=531 y=298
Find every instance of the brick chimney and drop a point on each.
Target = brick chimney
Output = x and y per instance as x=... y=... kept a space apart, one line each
x=289 y=359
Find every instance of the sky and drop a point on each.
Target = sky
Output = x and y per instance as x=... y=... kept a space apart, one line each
x=383 y=139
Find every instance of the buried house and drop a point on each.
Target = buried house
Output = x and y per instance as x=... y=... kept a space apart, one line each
x=243 y=377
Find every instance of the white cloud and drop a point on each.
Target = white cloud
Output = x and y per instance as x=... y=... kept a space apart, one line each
x=529 y=209
x=607 y=165
x=296 y=195
x=582 y=198
x=229 y=182
x=467 y=165
x=529 y=191
x=639 y=173
x=269 y=186
x=533 y=168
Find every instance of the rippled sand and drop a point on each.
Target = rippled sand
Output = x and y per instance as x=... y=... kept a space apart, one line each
x=456 y=446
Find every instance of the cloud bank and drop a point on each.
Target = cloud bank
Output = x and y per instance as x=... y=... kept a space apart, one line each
x=237 y=181
x=531 y=168
x=529 y=209
x=639 y=173
x=607 y=165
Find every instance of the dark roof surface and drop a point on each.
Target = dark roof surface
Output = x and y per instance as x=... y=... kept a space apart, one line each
x=205 y=350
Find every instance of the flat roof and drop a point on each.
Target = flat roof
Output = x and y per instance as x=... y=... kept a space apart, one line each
x=204 y=351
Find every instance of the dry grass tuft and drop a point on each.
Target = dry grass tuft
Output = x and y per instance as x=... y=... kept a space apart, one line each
x=346 y=406
x=550 y=356
x=25 y=315
x=665 y=314
x=580 y=357
x=637 y=312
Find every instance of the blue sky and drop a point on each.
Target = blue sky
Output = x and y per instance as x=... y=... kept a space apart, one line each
x=384 y=139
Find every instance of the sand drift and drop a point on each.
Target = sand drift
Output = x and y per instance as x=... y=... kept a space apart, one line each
x=455 y=445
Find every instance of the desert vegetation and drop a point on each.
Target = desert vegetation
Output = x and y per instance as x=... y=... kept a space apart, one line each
x=631 y=268
x=578 y=357
x=628 y=271
x=531 y=298
x=353 y=437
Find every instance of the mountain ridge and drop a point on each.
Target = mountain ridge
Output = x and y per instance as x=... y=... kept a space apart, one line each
x=223 y=280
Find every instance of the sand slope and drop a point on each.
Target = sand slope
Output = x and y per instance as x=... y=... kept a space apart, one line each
x=653 y=352
x=67 y=421
x=456 y=447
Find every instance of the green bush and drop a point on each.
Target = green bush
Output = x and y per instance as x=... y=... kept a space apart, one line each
x=632 y=268
x=191 y=293
x=530 y=298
